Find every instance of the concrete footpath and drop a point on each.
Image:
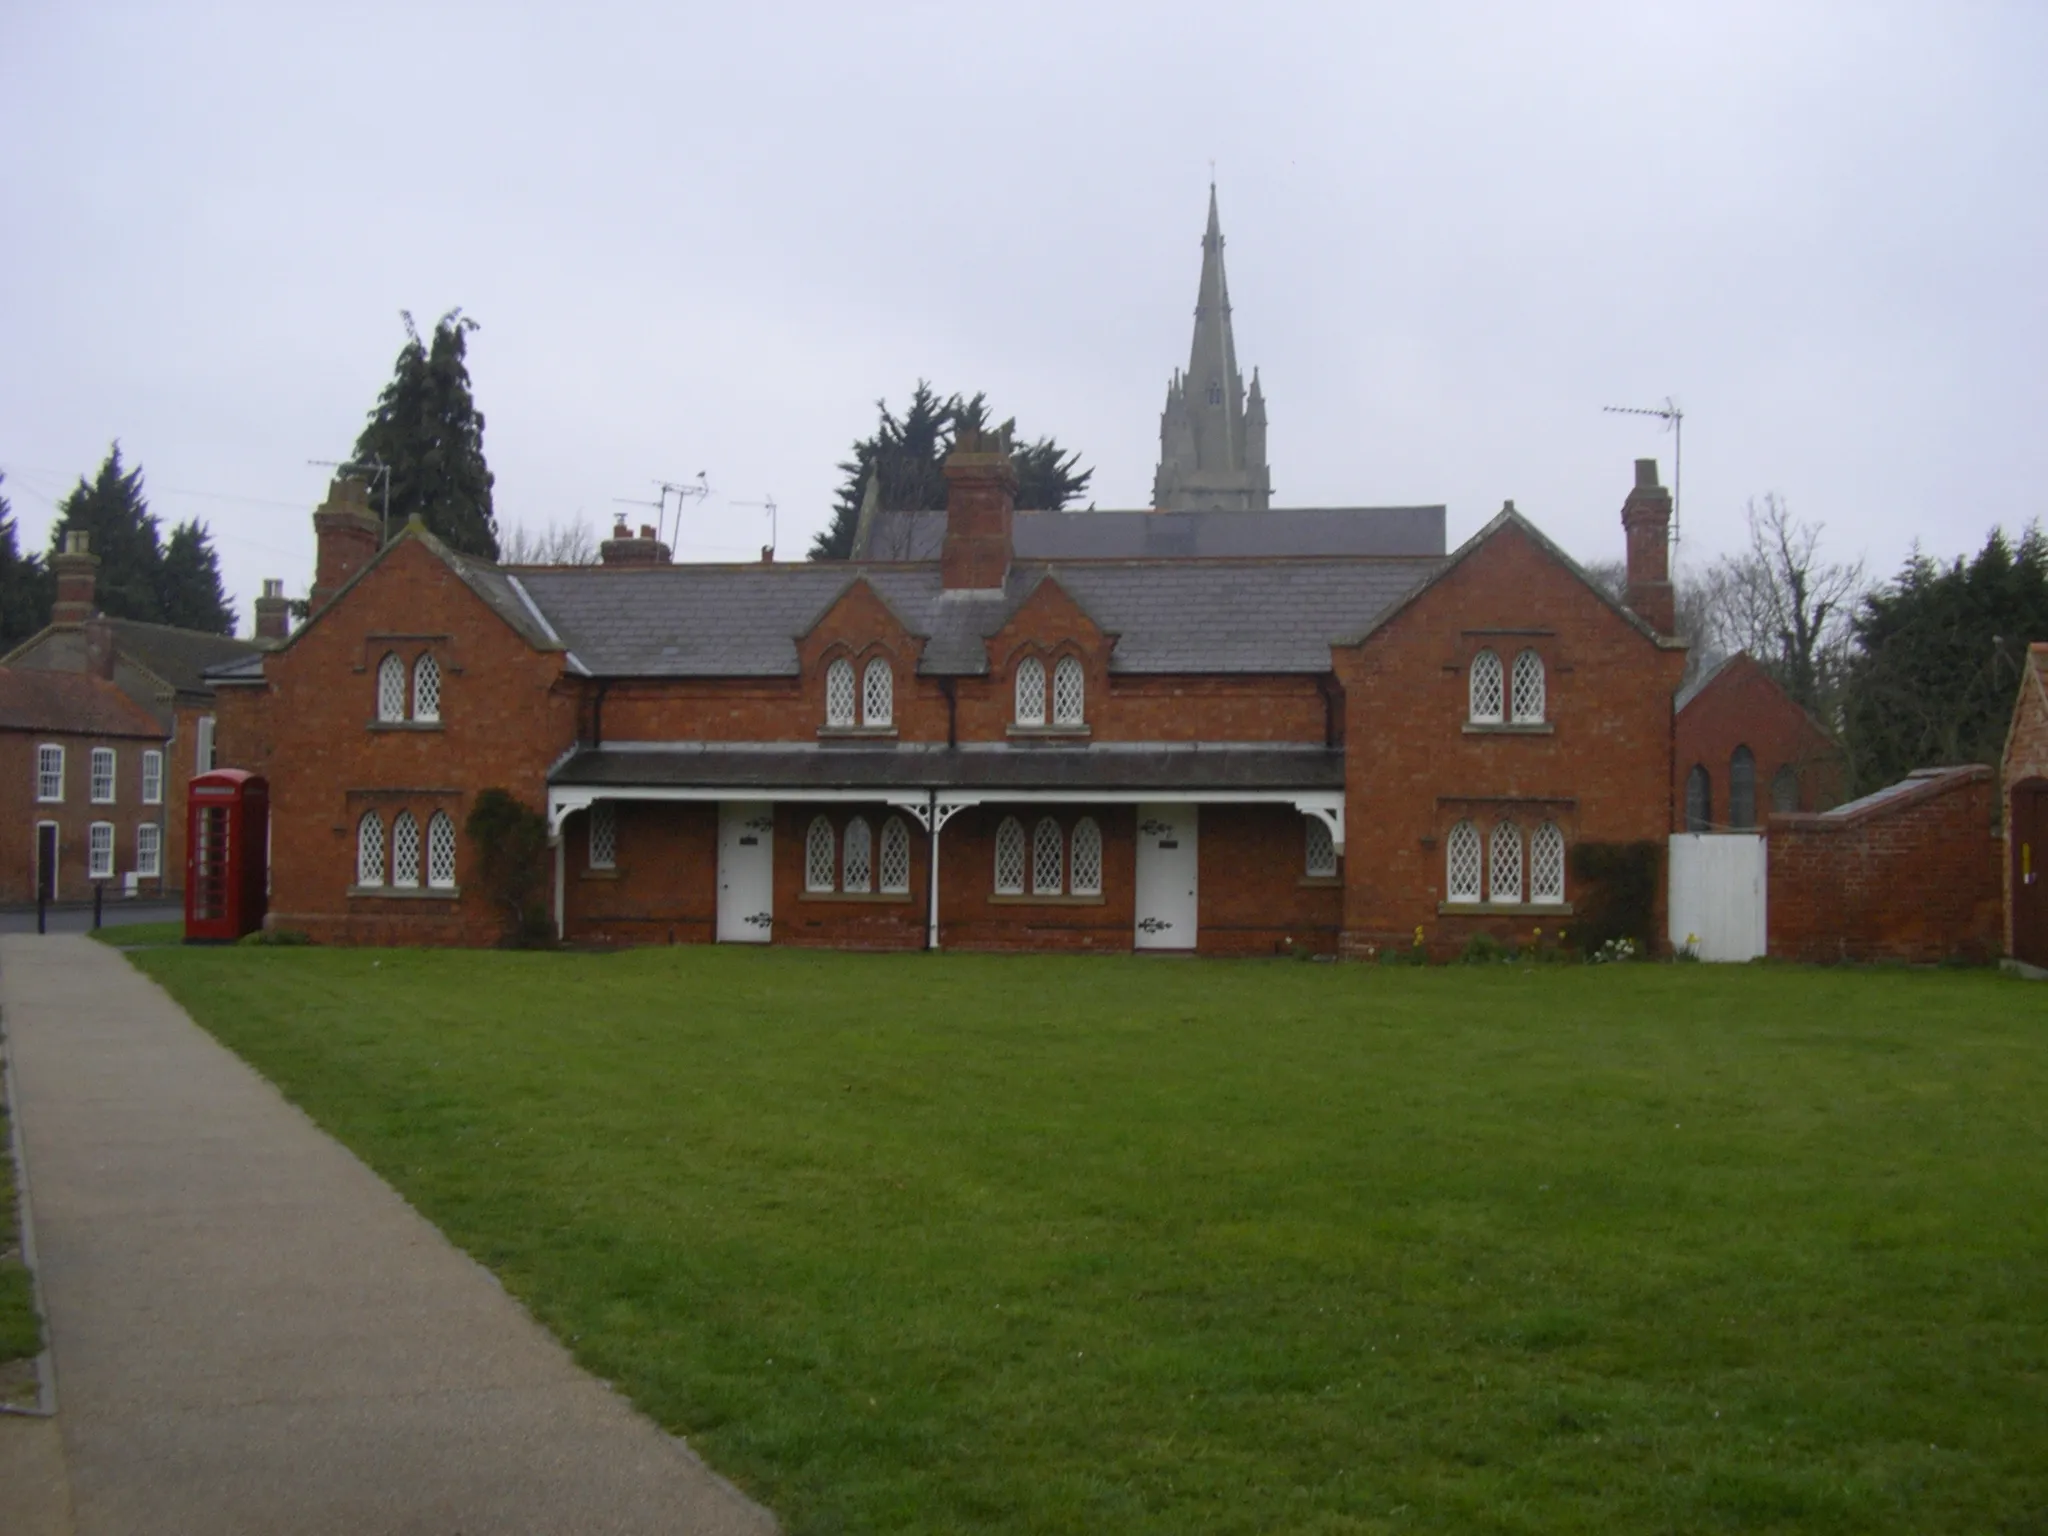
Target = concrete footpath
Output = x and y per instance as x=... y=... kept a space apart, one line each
x=254 y=1333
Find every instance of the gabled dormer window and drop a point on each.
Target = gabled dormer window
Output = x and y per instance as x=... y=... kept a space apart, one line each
x=1031 y=691
x=839 y=700
x=877 y=693
x=1068 y=692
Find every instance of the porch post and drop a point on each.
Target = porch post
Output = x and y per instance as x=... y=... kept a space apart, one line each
x=931 y=932
x=561 y=890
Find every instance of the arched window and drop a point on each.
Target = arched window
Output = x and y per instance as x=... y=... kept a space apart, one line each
x=1031 y=691
x=1215 y=392
x=1699 y=799
x=604 y=835
x=1486 y=689
x=1048 y=855
x=405 y=850
x=1068 y=689
x=370 y=849
x=1010 y=857
x=839 y=693
x=1785 y=789
x=894 y=865
x=441 y=850
x=1087 y=872
x=1463 y=863
x=1546 y=864
x=858 y=848
x=426 y=687
x=1322 y=849
x=821 y=852
x=391 y=687
x=1528 y=682
x=1742 y=789
x=877 y=693
x=1507 y=863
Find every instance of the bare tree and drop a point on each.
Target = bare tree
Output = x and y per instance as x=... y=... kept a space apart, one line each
x=565 y=543
x=1611 y=577
x=1783 y=603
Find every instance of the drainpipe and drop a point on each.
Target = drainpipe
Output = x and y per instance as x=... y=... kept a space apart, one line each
x=931 y=932
x=946 y=686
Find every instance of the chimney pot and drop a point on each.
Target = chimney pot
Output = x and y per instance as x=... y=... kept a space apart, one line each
x=76 y=568
x=1646 y=474
x=646 y=530
x=273 y=611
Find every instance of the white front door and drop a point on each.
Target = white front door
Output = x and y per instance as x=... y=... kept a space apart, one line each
x=1166 y=877
x=746 y=871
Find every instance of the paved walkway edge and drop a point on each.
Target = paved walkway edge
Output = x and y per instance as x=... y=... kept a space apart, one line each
x=46 y=1362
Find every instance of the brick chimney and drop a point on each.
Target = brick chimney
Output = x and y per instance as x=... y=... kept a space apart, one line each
x=347 y=534
x=981 y=499
x=1646 y=517
x=623 y=548
x=75 y=565
x=99 y=647
x=273 y=611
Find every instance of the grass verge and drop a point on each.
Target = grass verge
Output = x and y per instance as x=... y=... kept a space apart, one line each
x=943 y=1243
x=21 y=1335
x=129 y=934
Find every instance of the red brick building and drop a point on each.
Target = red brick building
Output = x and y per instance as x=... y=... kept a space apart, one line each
x=1745 y=749
x=2026 y=816
x=161 y=671
x=1079 y=748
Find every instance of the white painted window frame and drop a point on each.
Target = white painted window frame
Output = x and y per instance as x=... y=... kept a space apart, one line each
x=49 y=774
x=152 y=777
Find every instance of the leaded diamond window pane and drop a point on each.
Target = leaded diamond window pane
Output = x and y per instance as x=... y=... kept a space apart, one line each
x=391 y=688
x=1486 y=688
x=405 y=850
x=1067 y=691
x=604 y=835
x=1528 y=689
x=894 y=865
x=1507 y=862
x=426 y=688
x=370 y=849
x=1322 y=849
x=1546 y=863
x=1087 y=874
x=859 y=846
x=1048 y=854
x=877 y=693
x=1031 y=691
x=821 y=852
x=1010 y=858
x=441 y=849
x=149 y=850
x=839 y=693
x=1463 y=861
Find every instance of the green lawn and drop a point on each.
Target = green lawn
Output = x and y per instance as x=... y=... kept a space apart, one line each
x=20 y=1334
x=126 y=934
x=950 y=1243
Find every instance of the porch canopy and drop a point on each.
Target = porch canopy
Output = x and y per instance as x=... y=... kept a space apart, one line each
x=931 y=783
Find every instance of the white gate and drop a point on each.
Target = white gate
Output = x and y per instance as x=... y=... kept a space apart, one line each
x=746 y=871
x=1718 y=881
x=1167 y=871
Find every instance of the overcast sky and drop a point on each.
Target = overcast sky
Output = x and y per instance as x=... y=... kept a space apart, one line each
x=709 y=237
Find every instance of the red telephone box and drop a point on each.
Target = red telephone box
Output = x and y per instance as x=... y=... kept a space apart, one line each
x=227 y=848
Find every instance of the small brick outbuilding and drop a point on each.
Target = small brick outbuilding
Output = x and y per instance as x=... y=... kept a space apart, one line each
x=1743 y=748
x=1908 y=873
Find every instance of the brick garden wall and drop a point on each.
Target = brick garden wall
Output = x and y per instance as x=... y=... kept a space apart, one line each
x=1914 y=878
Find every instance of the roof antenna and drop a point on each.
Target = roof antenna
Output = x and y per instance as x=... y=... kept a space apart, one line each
x=695 y=490
x=1674 y=419
x=378 y=471
x=769 y=503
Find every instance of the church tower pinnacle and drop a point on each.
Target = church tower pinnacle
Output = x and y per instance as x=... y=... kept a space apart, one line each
x=1212 y=439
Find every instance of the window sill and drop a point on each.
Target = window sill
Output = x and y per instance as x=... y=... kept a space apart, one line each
x=1045 y=901
x=1486 y=728
x=598 y=874
x=856 y=733
x=407 y=892
x=406 y=725
x=1321 y=882
x=96 y=800
x=1049 y=732
x=897 y=898
x=1504 y=909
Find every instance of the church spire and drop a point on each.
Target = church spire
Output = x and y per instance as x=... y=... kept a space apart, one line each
x=1207 y=458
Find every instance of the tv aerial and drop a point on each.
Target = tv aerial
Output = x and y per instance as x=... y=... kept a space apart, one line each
x=689 y=490
x=767 y=502
x=1674 y=420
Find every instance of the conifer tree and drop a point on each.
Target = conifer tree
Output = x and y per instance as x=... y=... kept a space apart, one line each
x=427 y=429
x=111 y=509
x=191 y=593
x=25 y=591
x=907 y=456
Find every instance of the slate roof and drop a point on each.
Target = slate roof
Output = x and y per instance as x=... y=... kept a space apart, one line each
x=77 y=703
x=1211 y=616
x=1282 y=533
x=181 y=657
x=776 y=766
